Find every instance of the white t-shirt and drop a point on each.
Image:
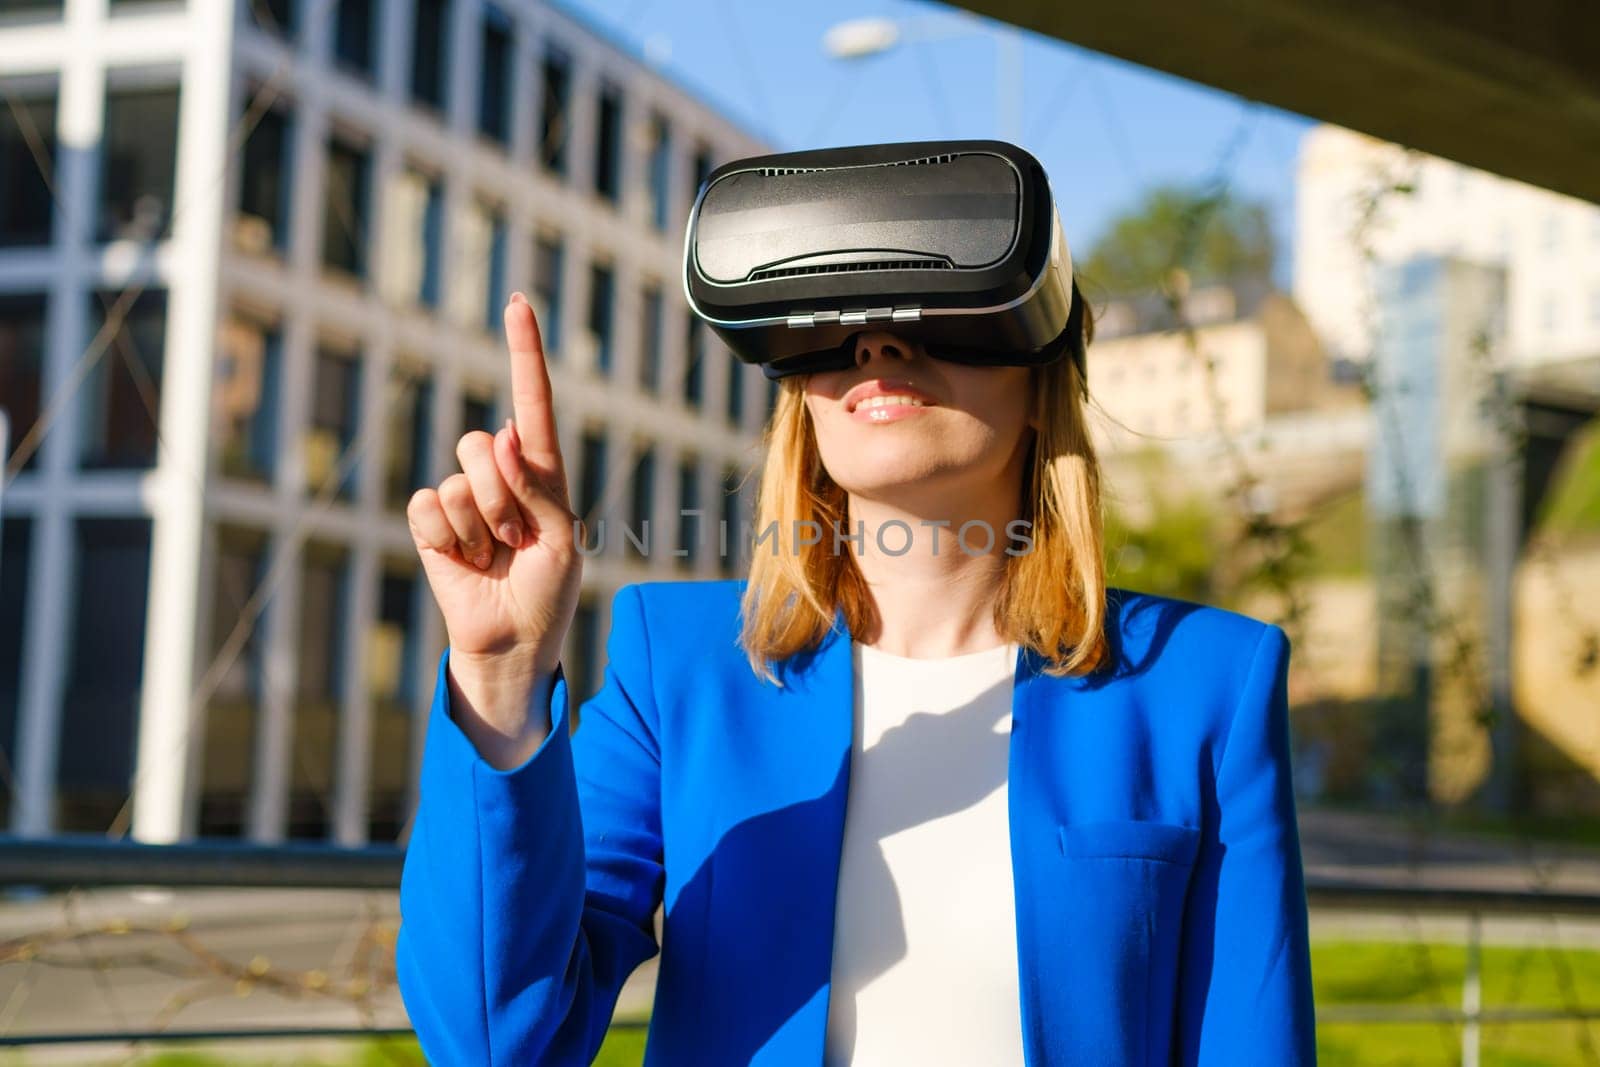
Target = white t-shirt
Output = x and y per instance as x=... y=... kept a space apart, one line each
x=925 y=950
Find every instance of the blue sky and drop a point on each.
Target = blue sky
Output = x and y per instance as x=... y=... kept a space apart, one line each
x=1104 y=129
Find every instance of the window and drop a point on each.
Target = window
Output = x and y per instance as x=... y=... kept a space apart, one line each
x=689 y=526
x=1594 y=306
x=608 y=145
x=430 y=284
x=111 y=581
x=33 y=7
x=265 y=173
x=592 y=479
x=641 y=502
x=477 y=409
x=601 y=298
x=736 y=377
x=555 y=117
x=729 y=538
x=392 y=656
x=334 y=422
x=660 y=170
x=652 y=309
x=16 y=556
x=122 y=397
x=430 y=45
x=21 y=370
x=547 y=267
x=244 y=417
x=582 y=680
x=703 y=166
x=694 y=362
x=353 y=26
x=411 y=271
x=138 y=163
x=495 y=289
x=494 y=76
x=409 y=439
x=26 y=128
x=274 y=16
x=324 y=589
x=474 y=269
x=344 y=210
x=1552 y=314
x=227 y=769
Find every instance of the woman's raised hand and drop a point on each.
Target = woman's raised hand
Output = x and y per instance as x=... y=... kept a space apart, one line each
x=497 y=544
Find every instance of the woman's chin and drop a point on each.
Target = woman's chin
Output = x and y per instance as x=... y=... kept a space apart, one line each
x=889 y=481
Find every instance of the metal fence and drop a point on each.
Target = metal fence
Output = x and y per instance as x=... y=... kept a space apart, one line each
x=58 y=863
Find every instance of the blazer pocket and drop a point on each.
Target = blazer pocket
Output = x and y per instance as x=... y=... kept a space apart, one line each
x=1116 y=909
x=1130 y=839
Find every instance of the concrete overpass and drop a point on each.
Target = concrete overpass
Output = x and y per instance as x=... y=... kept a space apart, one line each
x=1507 y=86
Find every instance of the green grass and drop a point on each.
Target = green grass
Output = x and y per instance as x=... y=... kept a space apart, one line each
x=1573 y=503
x=1343 y=973
x=1430 y=975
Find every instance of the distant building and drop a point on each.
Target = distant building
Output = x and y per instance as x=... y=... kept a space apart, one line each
x=1430 y=483
x=1547 y=244
x=340 y=207
x=1269 y=389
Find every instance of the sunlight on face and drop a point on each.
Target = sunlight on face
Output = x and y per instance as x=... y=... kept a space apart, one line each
x=976 y=418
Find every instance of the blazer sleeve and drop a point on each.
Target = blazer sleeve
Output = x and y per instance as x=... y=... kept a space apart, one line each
x=528 y=896
x=1245 y=977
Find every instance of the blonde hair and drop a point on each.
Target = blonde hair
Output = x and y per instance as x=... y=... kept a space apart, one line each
x=1052 y=598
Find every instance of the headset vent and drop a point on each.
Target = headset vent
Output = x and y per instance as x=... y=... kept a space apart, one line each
x=848 y=268
x=774 y=172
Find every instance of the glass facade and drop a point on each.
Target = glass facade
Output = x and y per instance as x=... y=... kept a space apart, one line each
x=265 y=172
x=245 y=398
x=323 y=655
x=138 y=161
x=344 y=208
x=555 y=110
x=22 y=317
x=100 y=706
x=335 y=416
x=494 y=76
x=27 y=140
x=121 y=399
x=234 y=710
x=430 y=44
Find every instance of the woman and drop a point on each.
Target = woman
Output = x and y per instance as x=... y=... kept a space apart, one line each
x=1070 y=835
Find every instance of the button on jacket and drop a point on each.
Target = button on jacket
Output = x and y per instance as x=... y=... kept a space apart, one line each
x=1160 y=899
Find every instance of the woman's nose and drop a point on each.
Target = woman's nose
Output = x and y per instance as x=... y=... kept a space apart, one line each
x=881 y=345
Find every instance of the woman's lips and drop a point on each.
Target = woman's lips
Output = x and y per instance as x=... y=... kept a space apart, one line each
x=868 y=411
x=866 y=401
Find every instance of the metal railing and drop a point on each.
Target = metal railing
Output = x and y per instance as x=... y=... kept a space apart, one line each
x=59 y=863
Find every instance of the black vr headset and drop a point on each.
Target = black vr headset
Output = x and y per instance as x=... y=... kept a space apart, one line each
x=955 y=244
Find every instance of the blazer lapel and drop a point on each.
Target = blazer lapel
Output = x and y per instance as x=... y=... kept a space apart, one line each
x=776 y=872
x=813 y=727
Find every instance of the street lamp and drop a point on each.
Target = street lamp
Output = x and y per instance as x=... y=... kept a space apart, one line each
x=863 y=37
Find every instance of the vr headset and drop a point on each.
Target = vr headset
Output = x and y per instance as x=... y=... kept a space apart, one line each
x=956 y=244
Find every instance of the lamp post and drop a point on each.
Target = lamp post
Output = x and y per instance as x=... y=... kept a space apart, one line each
x=864 y=37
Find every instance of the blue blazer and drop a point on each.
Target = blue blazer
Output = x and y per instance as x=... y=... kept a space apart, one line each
x=1160 y=901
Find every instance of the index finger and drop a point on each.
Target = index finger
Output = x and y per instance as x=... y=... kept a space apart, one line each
x=530 y=387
